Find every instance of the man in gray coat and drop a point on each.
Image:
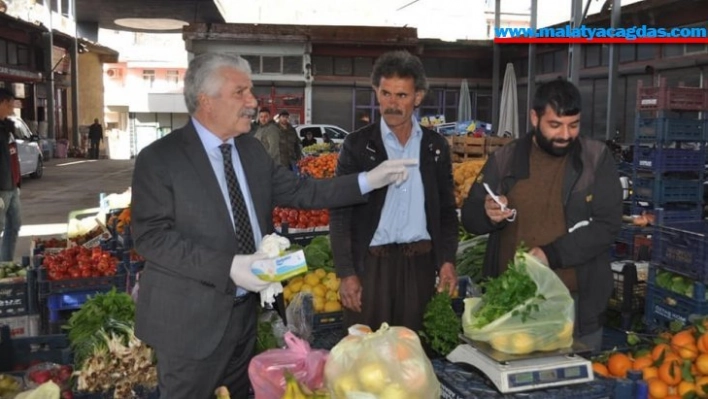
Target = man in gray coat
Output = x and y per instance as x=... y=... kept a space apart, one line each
x=202 y=201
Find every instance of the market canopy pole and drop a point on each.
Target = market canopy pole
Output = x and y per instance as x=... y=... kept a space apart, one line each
x=495 y=69
x=574 y=53
x=612 y=72
x=531 y=81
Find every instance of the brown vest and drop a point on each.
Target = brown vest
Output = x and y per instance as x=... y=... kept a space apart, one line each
x=540 y=219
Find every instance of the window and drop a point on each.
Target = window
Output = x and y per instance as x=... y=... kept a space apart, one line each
x=254 y=61
x=323 y=66
x=343 y=66
x=646 y=52
x=3 y=52
x=627 y=53
x=695 y=48
x=271 y=65
x=292 y=65
x=363 y=66
x=172 y=78
x=592 y=55
x=316 y=132
x=335 y=133
x=11 y=53
x=66 y=8
x=148 y=77
x=671 y=50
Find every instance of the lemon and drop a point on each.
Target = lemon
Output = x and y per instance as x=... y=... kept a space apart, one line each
x=344 y=384
x=296 y=279
x=331 y=283
x=394 y=391
x=295 y=286
x=567 y=331
x=319 y=304
x=311 y=279
x=332 y=306
x=500 y=342
x=332 y=296
x=320 y=273
x=332 y=275
x=306 y=288
x=319 y=290
x=522 y=343
x=373 y=377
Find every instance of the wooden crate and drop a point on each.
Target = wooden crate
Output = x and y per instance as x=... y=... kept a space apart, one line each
x=468 y=147
x=494 y=143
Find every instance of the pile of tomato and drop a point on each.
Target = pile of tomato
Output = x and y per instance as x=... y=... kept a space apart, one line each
x=79 y=262
x=300 y=218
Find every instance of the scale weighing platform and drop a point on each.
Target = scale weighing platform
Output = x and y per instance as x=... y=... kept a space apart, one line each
x=517 y=373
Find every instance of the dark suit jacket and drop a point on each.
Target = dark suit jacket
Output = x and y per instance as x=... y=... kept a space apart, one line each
x=182 y=227
x=352 y=228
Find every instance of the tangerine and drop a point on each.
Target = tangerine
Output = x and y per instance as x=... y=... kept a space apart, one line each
x=650 y=372
x=702 y=343
x=659 y=350
x=658 y=388
x=618 y=364
x=686 y=387
x=600 y=369
x=701 y=363
x=670 y=372
x=641 y=362
x=682 y=340
x=702 y=387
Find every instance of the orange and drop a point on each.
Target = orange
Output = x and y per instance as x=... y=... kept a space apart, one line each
x=659 y=349
x=641 y=362
x=618 y=364
x=702 y=386
x=702 y=343
x=600 y=369
x=682 y=339
x=686 y=387
x=657 y=388
x=650 y=372
x=688 y=351
x=701 y=363
x=665 y=336
x=670 y=372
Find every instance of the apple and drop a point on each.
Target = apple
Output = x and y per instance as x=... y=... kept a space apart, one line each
x=64 y=373
x=40 y=376
x=67 y=395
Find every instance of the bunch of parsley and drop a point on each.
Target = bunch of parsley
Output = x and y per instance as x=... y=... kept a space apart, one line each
x=441 y=326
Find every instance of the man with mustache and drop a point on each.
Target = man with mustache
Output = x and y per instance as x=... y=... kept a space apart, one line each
x=563 y=200
x=202 y=200
x=389 y=251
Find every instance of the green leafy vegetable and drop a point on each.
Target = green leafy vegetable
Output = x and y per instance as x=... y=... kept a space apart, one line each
x=505 y=293
x=106 y=313
x=441 y=326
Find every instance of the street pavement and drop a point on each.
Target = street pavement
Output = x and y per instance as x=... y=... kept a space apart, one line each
x=67 y=185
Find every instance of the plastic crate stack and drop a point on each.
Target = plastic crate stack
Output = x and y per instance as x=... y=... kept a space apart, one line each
x=669 y=170
x=18 y=303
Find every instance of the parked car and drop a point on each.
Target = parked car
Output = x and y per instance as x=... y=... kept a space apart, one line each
x=336 y=133
x=28 y=150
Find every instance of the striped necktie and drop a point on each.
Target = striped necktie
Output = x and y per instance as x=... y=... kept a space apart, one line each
x=242 y=223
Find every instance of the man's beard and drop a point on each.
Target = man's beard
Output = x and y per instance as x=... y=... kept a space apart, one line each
x=547 y=144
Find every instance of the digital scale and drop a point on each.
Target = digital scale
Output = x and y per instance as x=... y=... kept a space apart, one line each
x=517 y=373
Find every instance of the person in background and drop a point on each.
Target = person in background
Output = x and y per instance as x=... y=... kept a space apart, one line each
x=404 y=236
x=202 y=199
x=95 y=137
x=10 y=179
x=268 y=134
x=566 y=193
x=326 y=139
x=290 y=149
x=308 y=140
x=362 y=121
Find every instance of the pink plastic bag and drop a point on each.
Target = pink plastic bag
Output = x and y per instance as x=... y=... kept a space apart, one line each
x=266 y=370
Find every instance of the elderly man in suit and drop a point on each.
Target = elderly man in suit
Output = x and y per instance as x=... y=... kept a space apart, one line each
x=202 y=200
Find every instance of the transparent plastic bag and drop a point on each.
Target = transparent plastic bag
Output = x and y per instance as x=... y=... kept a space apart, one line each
x=299 y=315
x=389 y=363
x=267 y=370
x=550 y=328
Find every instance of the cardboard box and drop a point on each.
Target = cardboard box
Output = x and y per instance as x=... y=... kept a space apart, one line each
x=281 y=268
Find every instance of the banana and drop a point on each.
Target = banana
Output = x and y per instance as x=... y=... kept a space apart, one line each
x=222 y=393
x=292 y=388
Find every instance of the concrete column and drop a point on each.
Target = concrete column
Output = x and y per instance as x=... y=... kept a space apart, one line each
x=49 y=83
x=75 y=91
x=575 y=59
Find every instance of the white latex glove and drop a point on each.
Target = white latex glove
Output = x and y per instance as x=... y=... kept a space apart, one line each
x=391 y=171
x=268 y=294
x=242 y=275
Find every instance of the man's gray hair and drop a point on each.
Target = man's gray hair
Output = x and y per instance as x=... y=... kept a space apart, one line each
x=202 y=76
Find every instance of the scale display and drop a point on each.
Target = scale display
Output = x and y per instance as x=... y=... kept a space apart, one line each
x=538 y=371
x=542 y=377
